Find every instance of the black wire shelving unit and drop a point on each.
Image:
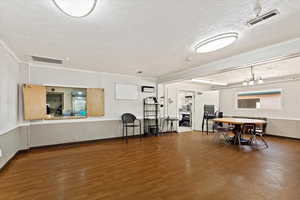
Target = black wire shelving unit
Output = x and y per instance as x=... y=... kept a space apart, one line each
x=151 y=116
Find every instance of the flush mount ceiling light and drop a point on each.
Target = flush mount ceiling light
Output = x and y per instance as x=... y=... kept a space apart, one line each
x=78 y=8
x=216 y=42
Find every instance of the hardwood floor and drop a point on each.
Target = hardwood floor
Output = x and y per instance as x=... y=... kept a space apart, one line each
x=178 y=166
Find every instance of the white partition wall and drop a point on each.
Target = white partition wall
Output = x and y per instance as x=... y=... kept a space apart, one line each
x=206 y=98
x=10 y=140
x=171 y=104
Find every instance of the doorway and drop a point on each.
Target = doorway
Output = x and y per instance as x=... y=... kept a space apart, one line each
x=185 y=107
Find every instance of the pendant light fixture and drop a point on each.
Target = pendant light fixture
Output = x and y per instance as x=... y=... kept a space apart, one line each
x=252 y=80
x=215 y=43
x=260 y=80
x=78 y=8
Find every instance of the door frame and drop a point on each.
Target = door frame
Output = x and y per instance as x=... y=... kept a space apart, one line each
x=193 y=106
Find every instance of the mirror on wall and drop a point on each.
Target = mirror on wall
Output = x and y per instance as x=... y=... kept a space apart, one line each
x=64 y=101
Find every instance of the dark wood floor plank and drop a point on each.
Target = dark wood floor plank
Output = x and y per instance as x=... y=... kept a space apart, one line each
x=176 y=166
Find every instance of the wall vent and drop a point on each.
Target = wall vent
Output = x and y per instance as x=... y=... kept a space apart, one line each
x=46 y=60
x=263 y=17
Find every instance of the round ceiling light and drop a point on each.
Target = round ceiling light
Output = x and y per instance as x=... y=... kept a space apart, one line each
x=78 y=8
x=216 y=42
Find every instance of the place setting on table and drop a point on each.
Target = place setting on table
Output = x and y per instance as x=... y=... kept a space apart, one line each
x=239 y=127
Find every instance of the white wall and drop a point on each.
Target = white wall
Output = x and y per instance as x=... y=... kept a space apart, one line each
x=48 y=132
x=171 y=92
x=9 y=79
x=17 y=134
x=113 y=108
x=290 y=101
x=283 y=122
x=161 y=95
x=206 y=98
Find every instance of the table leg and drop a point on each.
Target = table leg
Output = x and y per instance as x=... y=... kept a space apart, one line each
x=238 y=135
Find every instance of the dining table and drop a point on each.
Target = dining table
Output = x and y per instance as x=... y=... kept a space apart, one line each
x=238 y=124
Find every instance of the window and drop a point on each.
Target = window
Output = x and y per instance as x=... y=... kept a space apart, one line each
x=64 y=101
x=47 y=102
x=259 y=99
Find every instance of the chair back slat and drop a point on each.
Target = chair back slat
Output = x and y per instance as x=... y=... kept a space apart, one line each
x=128 y=118
x=249 y=128
x=209 y=109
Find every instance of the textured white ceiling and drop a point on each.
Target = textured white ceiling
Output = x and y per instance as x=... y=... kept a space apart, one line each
x=267 y=71
x=154 y=36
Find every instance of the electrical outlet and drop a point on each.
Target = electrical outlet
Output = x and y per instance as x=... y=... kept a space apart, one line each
x=0 y=153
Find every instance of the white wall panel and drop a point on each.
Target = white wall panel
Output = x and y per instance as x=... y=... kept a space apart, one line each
x=9 y=145
x=283 y=122
x=126 y=92
x=171 y=109
x=114 y=108
x=9 y=78
x=290 y=101
x=206 y=98
x=10 y=141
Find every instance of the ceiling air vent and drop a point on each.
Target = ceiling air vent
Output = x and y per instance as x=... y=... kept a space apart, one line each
x=46 y=60
x=263 y=17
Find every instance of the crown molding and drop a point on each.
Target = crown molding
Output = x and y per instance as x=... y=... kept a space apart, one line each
x=9 y=51
x=62 y=67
